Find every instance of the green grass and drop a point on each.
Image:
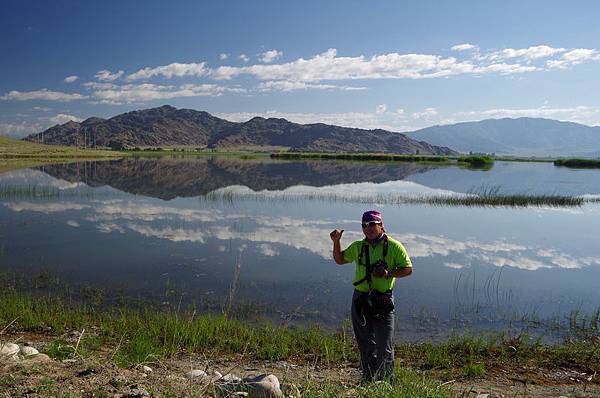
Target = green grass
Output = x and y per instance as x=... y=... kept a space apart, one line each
x=406 y=384
x=359 y=156
x=468 y=200
x=477 y=160
x=11 y=148
x=144 y=336
x=578 y=163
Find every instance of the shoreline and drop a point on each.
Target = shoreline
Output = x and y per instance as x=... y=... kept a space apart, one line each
x=118 y=341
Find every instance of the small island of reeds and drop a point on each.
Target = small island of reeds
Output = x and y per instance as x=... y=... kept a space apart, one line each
x=476 y=161
x=578 y=163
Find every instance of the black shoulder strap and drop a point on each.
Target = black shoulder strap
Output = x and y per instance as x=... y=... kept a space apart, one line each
x=385 y=246
x=364 y=253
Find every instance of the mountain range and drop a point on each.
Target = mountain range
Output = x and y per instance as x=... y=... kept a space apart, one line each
x=522 y=137
x=168 y=126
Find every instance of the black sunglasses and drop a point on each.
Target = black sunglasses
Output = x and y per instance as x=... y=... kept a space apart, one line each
x=370 y=224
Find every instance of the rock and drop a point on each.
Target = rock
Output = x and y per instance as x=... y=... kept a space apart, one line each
x=146 y=369
x=136 y=393
x=39 y=358
x=264 y=386
x=28 y=351
x=9 y=349
x=192 y=374
x=231 y=378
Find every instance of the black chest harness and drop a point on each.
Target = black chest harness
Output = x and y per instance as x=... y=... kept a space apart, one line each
x=364 y=255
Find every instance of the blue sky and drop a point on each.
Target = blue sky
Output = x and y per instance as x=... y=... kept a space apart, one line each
x=378 y=64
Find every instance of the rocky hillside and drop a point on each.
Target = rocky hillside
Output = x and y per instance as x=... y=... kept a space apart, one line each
x=168 y=126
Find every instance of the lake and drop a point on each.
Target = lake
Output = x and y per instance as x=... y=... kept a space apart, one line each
x=251 y=237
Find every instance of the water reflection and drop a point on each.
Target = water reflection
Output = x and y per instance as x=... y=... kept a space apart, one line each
x=170 y=178
x=473 y=266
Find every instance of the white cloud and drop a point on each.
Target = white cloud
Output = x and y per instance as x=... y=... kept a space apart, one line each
x=108 y=76
x=45 y=207
x=505 y=69
x=19 y=130
x=427 y=113
x=244 y=57
x=223 y=56
x=171 y=70
x=574 y=57
x=464 y=47
x=43 y=94
x=381 y=109
x=62 y=118
x=270 y=56
x=268 y=250
x=328 y=66
x=71 y=79
x=99 y=86
x=530 y=53
x=148 y=92
x=285 y=86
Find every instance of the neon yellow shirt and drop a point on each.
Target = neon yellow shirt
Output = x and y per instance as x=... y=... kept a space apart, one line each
x=396 y=258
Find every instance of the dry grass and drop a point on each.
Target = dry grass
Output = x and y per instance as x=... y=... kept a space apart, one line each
x=11 y=148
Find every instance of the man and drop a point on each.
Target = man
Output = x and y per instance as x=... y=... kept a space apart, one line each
x=379 y=261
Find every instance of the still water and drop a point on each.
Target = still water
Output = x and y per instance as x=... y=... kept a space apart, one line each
x=154 y=230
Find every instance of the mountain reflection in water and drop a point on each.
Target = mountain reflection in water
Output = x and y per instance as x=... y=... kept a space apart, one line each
x=170 y=178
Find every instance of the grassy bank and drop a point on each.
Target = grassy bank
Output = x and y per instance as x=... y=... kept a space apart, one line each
x=578 y=163
x=359 y=156
x=143 y=336
x=11 y=148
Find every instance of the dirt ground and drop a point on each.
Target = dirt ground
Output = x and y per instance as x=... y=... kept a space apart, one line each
x=98 y=376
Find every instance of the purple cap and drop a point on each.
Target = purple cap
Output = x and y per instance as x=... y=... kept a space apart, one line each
x=372 y=215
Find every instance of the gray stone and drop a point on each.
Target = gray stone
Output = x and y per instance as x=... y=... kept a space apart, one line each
x=192 y=374
x=263 y=386
x=231 y=378
x=9 y=349
x=28 y=351
x=146 y=369
x=39 y=358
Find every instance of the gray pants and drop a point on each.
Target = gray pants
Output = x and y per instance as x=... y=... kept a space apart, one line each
x=375 y=341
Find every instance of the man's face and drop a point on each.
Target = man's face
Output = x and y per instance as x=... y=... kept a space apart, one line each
x=372 y=230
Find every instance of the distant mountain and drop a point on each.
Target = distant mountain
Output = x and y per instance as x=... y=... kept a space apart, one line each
x=168 y=126
x=522 y=136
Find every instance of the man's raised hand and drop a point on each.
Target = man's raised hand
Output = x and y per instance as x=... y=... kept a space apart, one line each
x=336 y=234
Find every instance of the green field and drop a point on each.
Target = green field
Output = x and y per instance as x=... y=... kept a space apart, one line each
x=11 y=148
